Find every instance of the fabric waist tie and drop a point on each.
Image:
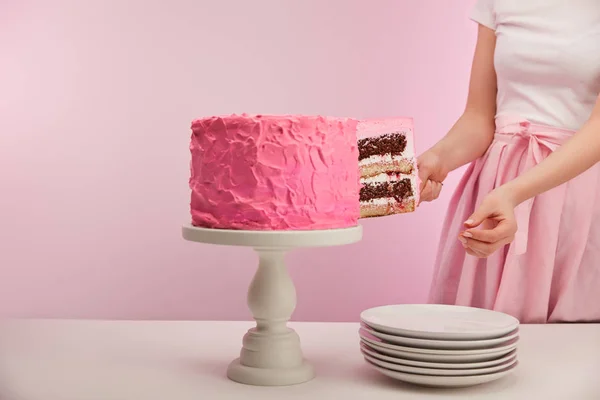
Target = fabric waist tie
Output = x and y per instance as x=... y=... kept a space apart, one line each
x=537 y=139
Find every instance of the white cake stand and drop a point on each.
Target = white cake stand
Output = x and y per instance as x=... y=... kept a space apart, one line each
x=271 y=353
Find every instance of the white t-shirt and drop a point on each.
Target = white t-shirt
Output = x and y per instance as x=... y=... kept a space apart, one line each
x=547 y=58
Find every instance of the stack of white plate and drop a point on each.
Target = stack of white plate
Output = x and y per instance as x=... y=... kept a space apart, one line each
x=438 y=345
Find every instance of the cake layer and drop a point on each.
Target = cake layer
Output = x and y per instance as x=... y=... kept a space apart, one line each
x=386 y=146
x=393 y=144
x=397 y=189
x=386 y=206
x=258 y=172
x=387 y=165
x=387 y=177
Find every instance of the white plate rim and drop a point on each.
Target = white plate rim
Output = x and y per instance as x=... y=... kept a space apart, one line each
x=437 y=365
x=495 y=349
x=445 y=381
x=441 y=344
x=490 y=333
x=439 y=371
x=437 y=357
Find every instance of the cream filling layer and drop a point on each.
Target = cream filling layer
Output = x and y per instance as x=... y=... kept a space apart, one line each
x=380 y=178
x=378 y=158
x=382 y=201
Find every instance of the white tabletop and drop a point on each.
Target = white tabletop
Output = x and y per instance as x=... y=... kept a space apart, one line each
x=122 y=360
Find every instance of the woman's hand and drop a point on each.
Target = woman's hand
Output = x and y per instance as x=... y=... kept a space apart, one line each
x=430 y=191
x=431 y=174
x=496 y=219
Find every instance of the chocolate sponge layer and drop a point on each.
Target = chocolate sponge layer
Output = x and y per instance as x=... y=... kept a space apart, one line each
x=399 y=190
x=391 y=143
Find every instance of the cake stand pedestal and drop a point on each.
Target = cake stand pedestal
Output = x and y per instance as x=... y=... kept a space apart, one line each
x=271 y=353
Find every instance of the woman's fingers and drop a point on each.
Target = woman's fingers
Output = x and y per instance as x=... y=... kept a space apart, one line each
x=431 y=191
x=498 y=233
x=426 y=193
x=483 y=249
x=474 y=253
x=424 y=173
x=469 y=250
x=436 y=188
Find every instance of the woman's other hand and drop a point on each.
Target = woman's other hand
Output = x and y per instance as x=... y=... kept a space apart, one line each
x=496 y=219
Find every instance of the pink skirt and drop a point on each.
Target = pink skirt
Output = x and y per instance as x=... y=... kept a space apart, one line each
x=551 y=271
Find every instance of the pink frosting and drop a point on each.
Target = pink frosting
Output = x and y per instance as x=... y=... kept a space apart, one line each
x=260 y=172
x=376 y=127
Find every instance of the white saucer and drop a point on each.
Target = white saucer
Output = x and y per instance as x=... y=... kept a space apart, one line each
x=423 y=364
x=436 y=371
x=439 y=322
x=456 y=356
x=446 y=381
x=442 y=344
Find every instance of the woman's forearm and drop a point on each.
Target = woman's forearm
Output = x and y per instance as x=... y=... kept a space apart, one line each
x=472 y=134
x=468 y=140
x=577 y=155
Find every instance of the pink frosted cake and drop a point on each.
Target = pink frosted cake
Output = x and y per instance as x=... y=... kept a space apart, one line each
x=388 y=168
x=262 y=172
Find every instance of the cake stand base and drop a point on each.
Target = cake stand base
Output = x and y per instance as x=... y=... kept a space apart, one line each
x=271 y=354
x=270 y=376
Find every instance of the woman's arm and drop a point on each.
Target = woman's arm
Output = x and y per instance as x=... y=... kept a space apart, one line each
x=577 y=155
x=473 y=133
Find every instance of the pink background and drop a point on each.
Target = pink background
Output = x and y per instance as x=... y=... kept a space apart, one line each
x=96 y=100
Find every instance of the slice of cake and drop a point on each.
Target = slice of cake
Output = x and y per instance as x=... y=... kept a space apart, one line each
x=269 y=172
x=388 y=167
